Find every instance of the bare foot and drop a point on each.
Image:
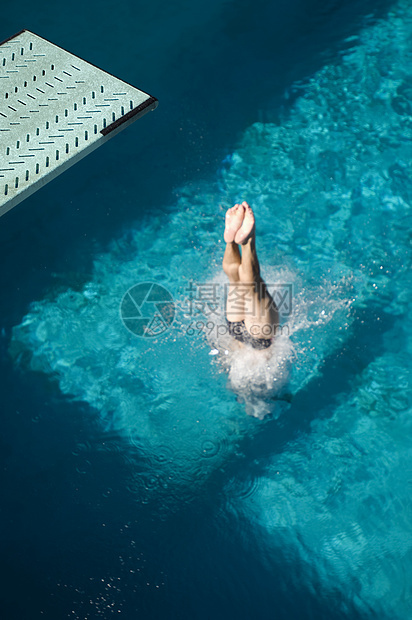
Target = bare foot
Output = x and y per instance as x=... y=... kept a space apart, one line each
x=247 y=230
x=233 y=222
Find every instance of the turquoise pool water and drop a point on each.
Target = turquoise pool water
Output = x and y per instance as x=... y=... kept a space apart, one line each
x=179 y=483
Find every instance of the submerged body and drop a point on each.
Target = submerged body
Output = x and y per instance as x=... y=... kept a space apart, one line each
x=257 y=371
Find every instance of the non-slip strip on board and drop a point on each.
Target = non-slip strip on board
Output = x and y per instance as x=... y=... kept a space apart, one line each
x=55 y=108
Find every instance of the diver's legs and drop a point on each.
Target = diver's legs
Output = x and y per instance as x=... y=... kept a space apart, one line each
x=231 y=264
x=260 y=313
x=235 y=304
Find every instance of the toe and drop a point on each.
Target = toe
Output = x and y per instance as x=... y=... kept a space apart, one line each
x=247 y=229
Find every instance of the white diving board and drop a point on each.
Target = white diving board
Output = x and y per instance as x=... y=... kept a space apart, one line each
x=54 y=110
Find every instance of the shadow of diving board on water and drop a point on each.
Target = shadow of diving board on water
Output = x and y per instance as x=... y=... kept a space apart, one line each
x=55 y=109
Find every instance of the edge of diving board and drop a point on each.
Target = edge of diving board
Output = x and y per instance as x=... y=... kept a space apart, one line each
x=55 y=109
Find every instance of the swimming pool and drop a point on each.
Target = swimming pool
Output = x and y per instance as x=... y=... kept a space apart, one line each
x=135 y=480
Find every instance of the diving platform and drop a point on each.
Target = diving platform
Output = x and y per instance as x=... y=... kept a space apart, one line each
x=55 y=108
